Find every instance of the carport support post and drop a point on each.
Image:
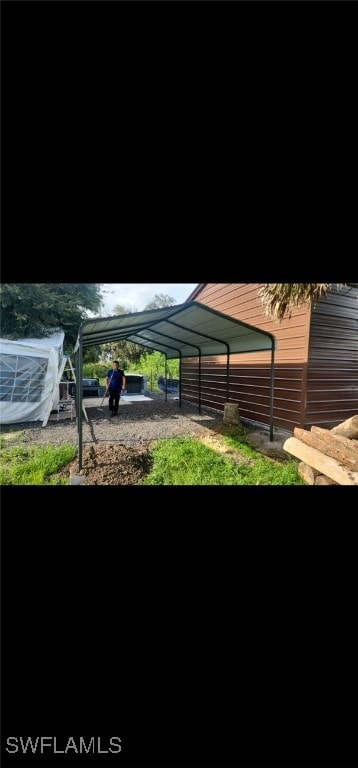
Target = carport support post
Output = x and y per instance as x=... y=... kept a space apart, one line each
x=199 y=381
x=79 y=400
x=180 y=381
x=272 y=390
x=165 y=379
x=227 y=375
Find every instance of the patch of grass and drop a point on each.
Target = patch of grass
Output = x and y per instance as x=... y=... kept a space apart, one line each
x=9 y=437
x=34 y=464
x=186 y=461
x=236 y=437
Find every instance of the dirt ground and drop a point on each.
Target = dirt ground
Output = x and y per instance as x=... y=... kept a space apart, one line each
x=117 y=464
x=110 y=465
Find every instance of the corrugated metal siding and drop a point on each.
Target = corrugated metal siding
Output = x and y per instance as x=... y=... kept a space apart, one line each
x=332 y=374
x=249 y=381
x=250 y=387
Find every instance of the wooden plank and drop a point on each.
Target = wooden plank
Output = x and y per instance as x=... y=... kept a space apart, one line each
x=324 y=464
x=307 y=473
x=348 y=428
x=327 y=444
x=324 y=480
x=352 y=445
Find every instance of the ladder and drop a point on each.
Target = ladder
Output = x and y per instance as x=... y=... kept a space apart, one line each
x=69 y=368
x=66 y=364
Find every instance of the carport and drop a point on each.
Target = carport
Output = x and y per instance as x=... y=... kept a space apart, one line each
x=185 y=330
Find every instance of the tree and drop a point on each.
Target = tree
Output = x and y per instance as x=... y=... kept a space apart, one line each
x=279 y=299
x=37 y=309
x=120 y=309
x=160 y=300
x=92 y=354
x=126 y=351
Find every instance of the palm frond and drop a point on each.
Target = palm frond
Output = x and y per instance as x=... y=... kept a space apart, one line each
x=279 y=299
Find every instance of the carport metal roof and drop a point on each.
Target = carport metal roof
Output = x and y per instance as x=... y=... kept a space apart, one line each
x=178 y=331
x=185 y=330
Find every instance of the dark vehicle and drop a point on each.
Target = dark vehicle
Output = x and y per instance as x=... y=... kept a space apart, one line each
x=90 y=388
x=171 y=386
x=134 y=384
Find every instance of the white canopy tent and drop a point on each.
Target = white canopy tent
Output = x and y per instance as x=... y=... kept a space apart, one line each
x=29 y=375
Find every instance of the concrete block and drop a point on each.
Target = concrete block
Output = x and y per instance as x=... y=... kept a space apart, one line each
x=77 y=479
x=231 y=413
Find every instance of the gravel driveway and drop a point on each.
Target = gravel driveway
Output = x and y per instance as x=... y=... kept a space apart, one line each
x=137 y=423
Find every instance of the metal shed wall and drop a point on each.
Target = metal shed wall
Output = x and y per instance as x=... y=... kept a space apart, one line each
x=250 y=374
x=332 y=377
x=316 y=361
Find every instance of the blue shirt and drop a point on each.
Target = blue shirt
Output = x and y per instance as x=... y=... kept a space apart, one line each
x=117 y=378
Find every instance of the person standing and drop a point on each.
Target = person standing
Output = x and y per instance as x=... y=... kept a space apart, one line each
x=116 y=381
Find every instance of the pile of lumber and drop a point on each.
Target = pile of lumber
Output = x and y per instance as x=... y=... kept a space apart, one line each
x=327 y=456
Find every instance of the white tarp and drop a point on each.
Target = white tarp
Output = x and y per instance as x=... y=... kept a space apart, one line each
x=29 y=370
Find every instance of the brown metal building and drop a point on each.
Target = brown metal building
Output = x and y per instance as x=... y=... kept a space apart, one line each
x=316 y=361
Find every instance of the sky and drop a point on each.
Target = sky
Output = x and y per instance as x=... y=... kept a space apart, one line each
x=135 y=296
